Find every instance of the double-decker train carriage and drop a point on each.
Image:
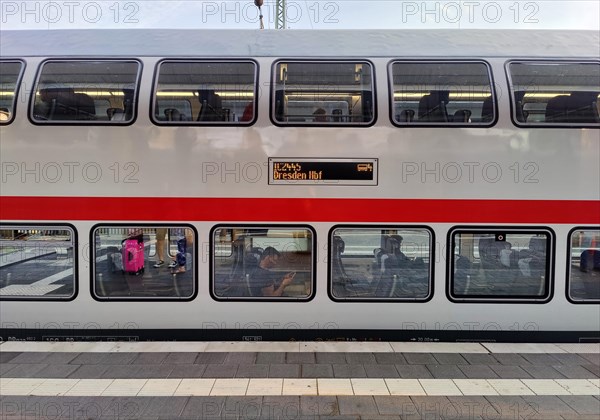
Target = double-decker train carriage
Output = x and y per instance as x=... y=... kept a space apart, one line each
x=399 y=185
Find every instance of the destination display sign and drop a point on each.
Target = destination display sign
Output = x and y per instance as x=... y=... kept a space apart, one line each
x=322 y=171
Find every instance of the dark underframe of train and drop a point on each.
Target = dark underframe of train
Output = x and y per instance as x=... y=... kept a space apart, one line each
x=343 y=335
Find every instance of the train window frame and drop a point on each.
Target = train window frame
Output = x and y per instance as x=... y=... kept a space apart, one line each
x=195 y=123
x=274 y=299
x=502 y=230
x=13 y=111
x=91 y=122
x=511 y=87
x=274 y=85
x=568 y=292
x=381 y=228
x=75 y=256
x=416 y=124
x=132 y=298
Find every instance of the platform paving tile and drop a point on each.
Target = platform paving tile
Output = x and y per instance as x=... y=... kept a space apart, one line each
x=420 y=359
x=270 y=357
x=194 y=387
x=444 y=387
x=211 y=358
x=119 y=358
x=570 y=359
x=337 y=386
x=356 y=358
x=164 y=406
x=300 y=358
x=220 y=371
x=542 y=372
x=252 y=371
x=287 y=407
x=30 y=357
x=180 y=358
x=540 y=359
x=230 y=387
x=264 y=386
x=549 y=405
x=413 y=371
x=28 y=370
x=5 y=368
x=579 y=386
x=90 y=359
x=545 y=387
x=284 y=371
x=582 y=404
x=381 y=371
x=479 y=358
x=404 y=387
x=187 y=371
x=119 y=387
x=478 y=371
x=389 y=405
x=445 y=371
x=470 y=407
x=299 y=386
x=592 y=357
x=121 y=371
x=203 y=408
x=513 y=359
x=60 y=358
x=159 y=388
x=473 y=387
x=242 y=358
x=332 y=358
x=358 y=405
x=574 y=372
x=7 y=356
x=320 y=405
x=349 y=371
x=369 y=386
x=317 y=371
x=153 y=371
x=509 y=408
x=595 y=369
x=150 y=358
x=242 y=408
x=390 y=358
x=510 y=372
x=431 y=408
x=449 y=359
x=57 y=371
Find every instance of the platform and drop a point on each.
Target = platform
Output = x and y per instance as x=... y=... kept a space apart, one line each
x=292 y=380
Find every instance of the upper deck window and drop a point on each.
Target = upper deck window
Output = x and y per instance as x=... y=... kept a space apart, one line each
x=323 y=93
x=91 y=91
x=442 y=93
x=205 y=92
x=545 y=93
x=10 y=73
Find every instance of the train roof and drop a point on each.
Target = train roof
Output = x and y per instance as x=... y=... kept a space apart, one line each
x=300 y=43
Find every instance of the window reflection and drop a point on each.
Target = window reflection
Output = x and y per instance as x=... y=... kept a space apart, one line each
x=144 y=262
x=37 y=262
x=263 y=263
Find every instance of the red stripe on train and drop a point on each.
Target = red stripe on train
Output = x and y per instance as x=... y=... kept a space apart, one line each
x=299 y=210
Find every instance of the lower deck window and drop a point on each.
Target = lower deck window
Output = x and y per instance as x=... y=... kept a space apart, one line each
x=380 y=263
x=144 y=262
x=272 y=263
x=37 y=262
x=500 y=265
x=584 y=266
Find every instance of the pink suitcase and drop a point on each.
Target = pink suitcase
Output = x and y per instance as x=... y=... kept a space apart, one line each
x=133 y=256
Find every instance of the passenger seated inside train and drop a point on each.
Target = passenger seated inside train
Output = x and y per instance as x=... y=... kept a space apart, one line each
x=63 y=103
x=211 y=108
x=578 y=107
x=265 y=281
x=432 y=107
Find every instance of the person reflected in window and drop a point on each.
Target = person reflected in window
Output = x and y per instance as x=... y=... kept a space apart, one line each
x=267 y=282
x=161 y=235
x=320 y=115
